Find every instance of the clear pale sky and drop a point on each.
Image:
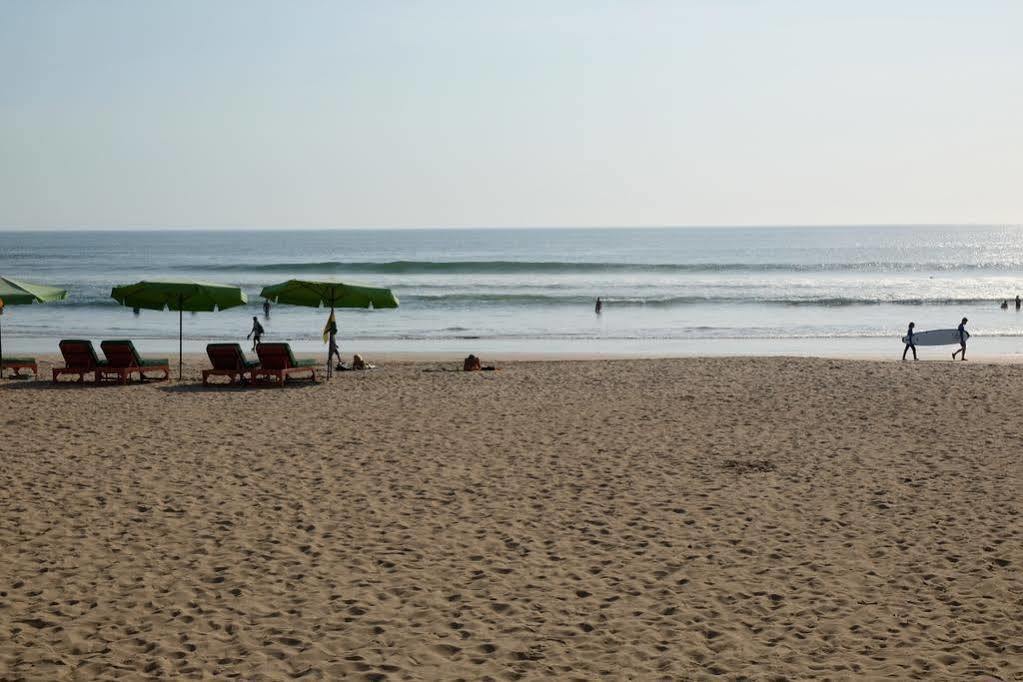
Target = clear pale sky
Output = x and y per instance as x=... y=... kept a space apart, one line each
x=449 y=113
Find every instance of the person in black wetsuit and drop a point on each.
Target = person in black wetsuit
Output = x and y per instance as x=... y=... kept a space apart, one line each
x=910 y=342
x=332 y=348
x=962 y=339
x=257 y=332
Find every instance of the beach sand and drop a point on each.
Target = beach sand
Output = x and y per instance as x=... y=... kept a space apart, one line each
x=724 y=518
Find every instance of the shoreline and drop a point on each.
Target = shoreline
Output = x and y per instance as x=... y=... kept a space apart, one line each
x=197 y=361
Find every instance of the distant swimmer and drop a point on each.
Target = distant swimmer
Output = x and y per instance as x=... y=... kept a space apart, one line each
x=1005 y=305
x=600 y=306
x=1017 y=301
x=910 y=342
x=962 y=339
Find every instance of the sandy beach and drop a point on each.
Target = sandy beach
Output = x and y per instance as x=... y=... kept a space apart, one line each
x=742 y=518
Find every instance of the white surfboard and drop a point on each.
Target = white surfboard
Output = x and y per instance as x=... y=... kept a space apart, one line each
x=936 y=337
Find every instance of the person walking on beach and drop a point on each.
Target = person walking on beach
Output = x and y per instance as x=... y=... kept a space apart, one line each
x=266 y=308
x=910 y=342
x=600 y=306
x=332 y=349
x=257 y=332
x=330 y=336
x=962 y=339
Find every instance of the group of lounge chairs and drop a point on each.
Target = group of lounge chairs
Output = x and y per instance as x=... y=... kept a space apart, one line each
x=275 y=361
x=121 y=360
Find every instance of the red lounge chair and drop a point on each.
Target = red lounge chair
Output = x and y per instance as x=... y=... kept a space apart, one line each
x=18 y=364
x=123 y=361
x=277 y=360
x=79 y=358
x=228 y=360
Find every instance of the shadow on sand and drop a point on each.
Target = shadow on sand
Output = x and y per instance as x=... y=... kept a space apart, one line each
x=47 y=385
x=198 y=387
x=169 y=387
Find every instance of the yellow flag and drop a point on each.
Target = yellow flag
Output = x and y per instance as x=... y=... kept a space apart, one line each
x=331 y=325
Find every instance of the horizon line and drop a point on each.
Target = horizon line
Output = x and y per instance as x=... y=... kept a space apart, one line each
x=222 y=228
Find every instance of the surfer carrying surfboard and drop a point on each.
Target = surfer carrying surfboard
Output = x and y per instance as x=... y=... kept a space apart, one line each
x=963 y=335
x=910 y=342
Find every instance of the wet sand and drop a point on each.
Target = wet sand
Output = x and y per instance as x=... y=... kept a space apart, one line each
x=749 y=518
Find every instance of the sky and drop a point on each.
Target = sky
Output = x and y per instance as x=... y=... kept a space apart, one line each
x=127 y=114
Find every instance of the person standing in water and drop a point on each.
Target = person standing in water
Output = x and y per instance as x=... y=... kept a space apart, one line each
x=257 y=332
x=1017 y=301
x=910 y=342
x=962 y=339
x=266 y=308
x=600 y=306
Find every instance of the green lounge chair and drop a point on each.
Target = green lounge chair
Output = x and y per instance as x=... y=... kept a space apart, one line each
x=79 y=358
x=18 y=364
x=228 y=360
x=277 y=360
x=123 y=361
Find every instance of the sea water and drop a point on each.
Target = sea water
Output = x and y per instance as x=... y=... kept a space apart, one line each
x=808 y=290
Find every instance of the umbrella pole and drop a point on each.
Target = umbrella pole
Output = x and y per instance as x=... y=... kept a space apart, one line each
x=181 y=324
x=1 y=348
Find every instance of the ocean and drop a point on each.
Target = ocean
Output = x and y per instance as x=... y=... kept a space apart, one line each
x=688 y=291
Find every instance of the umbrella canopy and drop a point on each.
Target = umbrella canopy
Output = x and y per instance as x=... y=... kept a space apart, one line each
x=16 y=292
x=180 y=295
x=329 y=293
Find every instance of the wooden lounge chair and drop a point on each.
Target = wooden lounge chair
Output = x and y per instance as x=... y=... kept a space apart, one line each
x=228 y=360
x=18 y=364
x=79 y=358
x=123 y=361
x=277 y=360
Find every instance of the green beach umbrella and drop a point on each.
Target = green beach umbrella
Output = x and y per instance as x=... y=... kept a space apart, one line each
x=329 y=293
x=180 y=295
x=16 y=292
